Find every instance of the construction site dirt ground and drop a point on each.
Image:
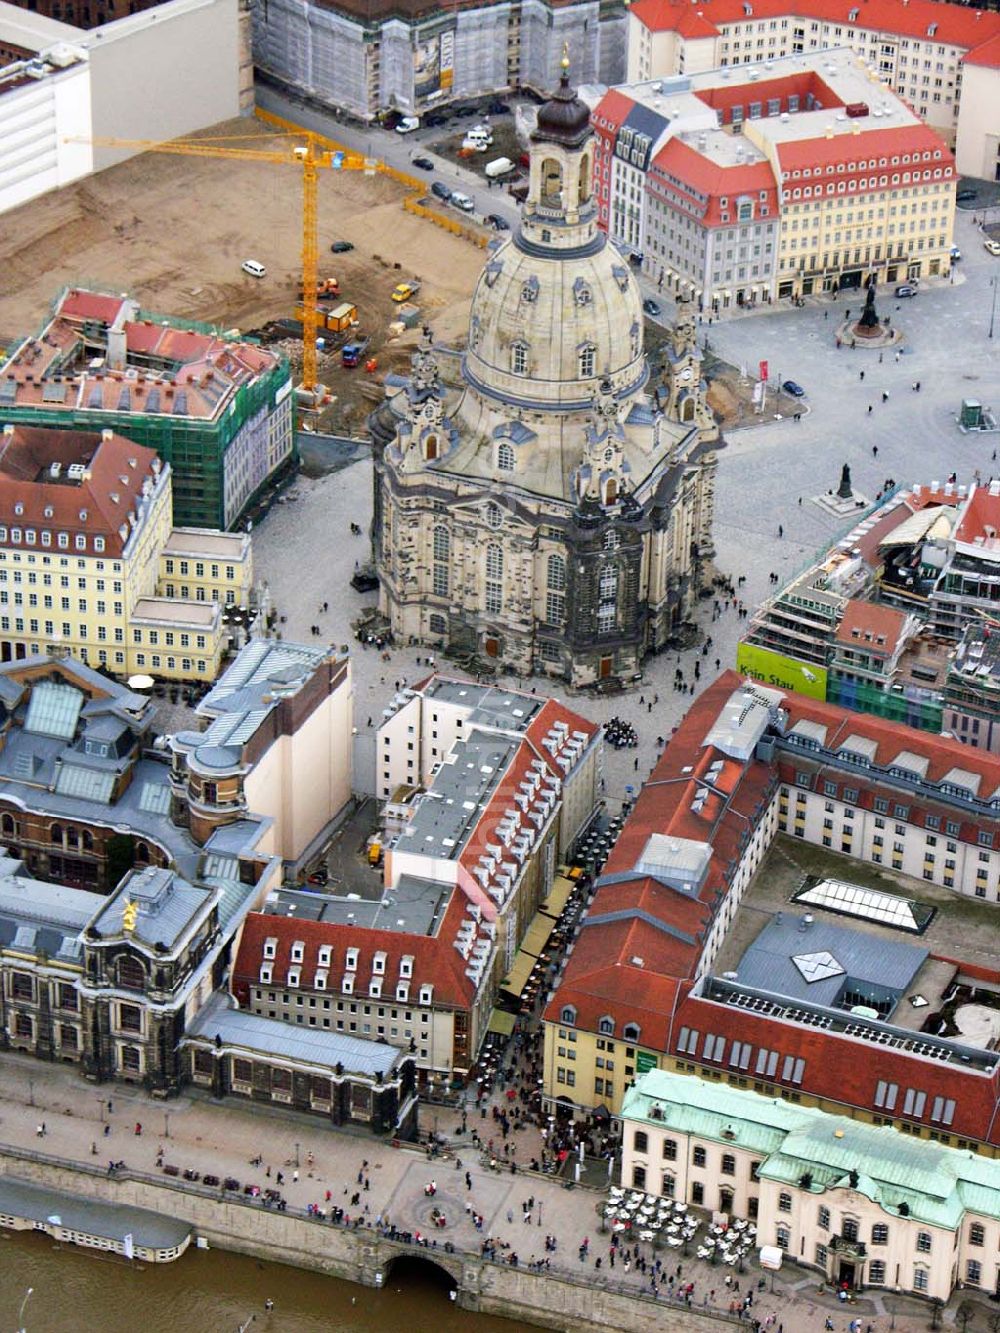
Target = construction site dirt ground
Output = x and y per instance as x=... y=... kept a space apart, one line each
x=173 y=231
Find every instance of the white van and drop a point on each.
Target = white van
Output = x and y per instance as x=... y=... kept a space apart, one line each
x=500 y=166
x=408 y=124
x=478 y=138
x=254 y=267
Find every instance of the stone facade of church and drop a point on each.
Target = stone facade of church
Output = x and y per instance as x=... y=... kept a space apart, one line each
x=538 y=498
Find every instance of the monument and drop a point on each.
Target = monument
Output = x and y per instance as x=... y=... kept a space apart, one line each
x=869 y=325
x=845 y=491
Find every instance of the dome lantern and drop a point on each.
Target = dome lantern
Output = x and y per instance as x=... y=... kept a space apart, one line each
x=560 y=210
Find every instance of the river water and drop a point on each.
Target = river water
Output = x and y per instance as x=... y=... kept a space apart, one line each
x=79 y=1291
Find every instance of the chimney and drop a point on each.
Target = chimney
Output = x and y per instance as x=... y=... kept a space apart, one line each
x=116 y=349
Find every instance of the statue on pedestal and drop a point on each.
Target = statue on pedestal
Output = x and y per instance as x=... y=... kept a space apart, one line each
x=845 y=490
x=869 y=316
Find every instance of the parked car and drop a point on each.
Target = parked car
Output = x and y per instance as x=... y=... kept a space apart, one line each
x=441 y=190
x=404 y=290
x=906 y=289
x=407 y=125
x=965 y=196
x=498 y=108
x=435 y=119
x=423 y=163
x=956 y=254
x=793 y=388
x=254 y=267
x=465 y=111
x=652 y=308
x=341 y=247
x=992 y=246
x=497 y=222
x=462 y=201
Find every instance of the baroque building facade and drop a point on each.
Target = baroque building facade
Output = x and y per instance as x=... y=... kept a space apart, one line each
x=539 y=499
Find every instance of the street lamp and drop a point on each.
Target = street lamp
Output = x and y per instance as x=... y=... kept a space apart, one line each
x=100 y=1108
x=166 y=1124
x=31 y=1099
x=20 y=1313
x=539 y=1212
x=297 y=1163
x=993 y=310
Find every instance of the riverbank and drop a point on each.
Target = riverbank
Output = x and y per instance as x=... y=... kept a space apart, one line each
x=361 y=1254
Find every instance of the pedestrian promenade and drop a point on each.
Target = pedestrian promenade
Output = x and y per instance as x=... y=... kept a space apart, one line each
x=391 y=1186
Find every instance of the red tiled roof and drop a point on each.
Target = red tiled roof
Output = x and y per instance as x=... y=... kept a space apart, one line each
x=955 y=25
x=942 y=752
x=801 y=84
x=842 y=1068
x=91 y=305
x=436 y=961
x=842 y=149
x=871 y=626
x=980 y=518
x=987 y=53
x=614 y=107
x=602 y=967
x=699 y=172
x=86 y=506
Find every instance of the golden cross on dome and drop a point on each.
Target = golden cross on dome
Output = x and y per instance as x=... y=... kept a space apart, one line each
x=130 y=915
x=565 y=57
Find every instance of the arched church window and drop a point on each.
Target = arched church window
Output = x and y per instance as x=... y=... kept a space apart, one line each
x=585 y=178
x=587 y=360
x=442 y=553
x=687 y=410
x=493 y=514
x=519 y=358
x=494 y=580
x=611 y=540
x=607 y=586
x=555 y=596
x=437 y=624
x=556 y=573
x=505 y=458
x=430 y=447
x=551 y=181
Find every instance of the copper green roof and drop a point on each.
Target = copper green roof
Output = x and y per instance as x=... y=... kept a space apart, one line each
x=939 y=1185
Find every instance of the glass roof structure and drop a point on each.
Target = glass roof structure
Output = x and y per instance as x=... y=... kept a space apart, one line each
x=88 y=783
x=884 y=909
x=54 y=710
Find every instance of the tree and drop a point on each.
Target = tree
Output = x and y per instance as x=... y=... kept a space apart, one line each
x=964 y=1315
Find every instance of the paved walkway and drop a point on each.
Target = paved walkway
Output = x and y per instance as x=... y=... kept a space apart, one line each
x=205 y=1136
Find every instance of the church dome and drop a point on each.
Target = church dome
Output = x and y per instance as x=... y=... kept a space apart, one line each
x=546 y=327
x=564 y=118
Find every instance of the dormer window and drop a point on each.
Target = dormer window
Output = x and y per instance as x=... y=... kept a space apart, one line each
x=351 y=961
x=320 y=982
x=325 y=955
x=426 y=994
x=378 y=963
x=19 y=509
x=298 y=951
x=568 y=1014
x=606 y=1026
x=293 y=976
x=347 y=986
x=265 y=973
x=403 y=992
x=270 y=946
x=406 y=965
x=375 y=988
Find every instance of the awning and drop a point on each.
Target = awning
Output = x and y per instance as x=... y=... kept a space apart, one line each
x=538 y=933
x=517 y=977
x=558 y=897
x=501 y=1022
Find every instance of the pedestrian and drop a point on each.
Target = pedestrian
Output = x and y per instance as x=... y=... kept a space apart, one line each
x=107 y=1130
x=781 y=531
x=295 y=1176
x=874 y=446
x=861 y=374
x=869 y=409
x=138 y=1128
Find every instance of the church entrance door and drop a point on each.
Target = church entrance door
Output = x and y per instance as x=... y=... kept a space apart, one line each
x=605 y=668
x=491 y=646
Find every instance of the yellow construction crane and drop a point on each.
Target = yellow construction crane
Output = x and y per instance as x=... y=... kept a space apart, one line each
x=309 y=151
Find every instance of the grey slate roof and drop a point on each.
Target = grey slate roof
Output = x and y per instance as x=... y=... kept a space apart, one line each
x=111 y=1221
x=252 y=1034
x=168 y=906
x=885 y=965
x=42 y=917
